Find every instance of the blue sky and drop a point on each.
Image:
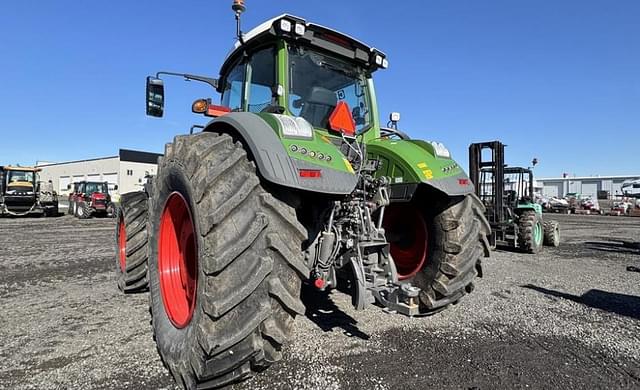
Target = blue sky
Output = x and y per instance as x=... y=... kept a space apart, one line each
x=556 y=80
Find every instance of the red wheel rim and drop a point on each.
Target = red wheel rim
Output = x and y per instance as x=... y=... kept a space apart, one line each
x=122 y=245
x=407 y=233
x=177 y=261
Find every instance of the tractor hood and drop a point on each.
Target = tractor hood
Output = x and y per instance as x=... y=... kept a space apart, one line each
x=20 y=188
x=416 y=161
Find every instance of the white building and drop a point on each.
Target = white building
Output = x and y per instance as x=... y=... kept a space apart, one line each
x=127 y=171
x=586 y=185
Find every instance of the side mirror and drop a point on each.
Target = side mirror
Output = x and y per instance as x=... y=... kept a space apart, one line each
x=115 y=187
x=155 y=97
x=68 y=186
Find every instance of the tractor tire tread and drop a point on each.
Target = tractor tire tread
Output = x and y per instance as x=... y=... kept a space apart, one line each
x=526 y=227
x=249 y=289
x=133 y=210
x=552 y=233
x=459 y=242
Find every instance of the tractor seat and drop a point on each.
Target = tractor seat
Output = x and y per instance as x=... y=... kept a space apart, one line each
x=318 y=105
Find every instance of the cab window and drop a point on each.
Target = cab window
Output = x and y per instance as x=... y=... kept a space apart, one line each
x=232 y=93
x=262 y=78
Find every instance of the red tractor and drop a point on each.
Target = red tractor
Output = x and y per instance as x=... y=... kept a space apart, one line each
x=89 y=198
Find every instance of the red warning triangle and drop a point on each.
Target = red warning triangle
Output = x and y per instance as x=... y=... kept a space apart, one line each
x=341 y=119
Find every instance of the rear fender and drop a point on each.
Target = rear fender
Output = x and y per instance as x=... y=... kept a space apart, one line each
x=529 y=207
x=411 y=164
x=270 y=156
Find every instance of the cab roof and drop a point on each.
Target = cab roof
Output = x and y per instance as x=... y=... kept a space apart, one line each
x=307 y=33
x=23 y=169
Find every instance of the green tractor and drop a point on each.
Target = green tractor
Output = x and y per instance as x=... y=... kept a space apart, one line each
x=508 y=196
x=294 y=181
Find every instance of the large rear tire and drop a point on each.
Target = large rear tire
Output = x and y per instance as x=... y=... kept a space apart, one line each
x=439 y=249
x=530 y=232
x=131 y=243
x=225 y=264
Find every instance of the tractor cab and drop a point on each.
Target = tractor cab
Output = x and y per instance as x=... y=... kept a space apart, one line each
x=519 y=194
x=289 y=67
x=304 y=70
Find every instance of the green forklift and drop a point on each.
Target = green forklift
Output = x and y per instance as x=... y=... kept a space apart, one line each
x=508 y=196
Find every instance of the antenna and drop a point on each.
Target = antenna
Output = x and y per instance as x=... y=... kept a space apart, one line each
x=238 y=7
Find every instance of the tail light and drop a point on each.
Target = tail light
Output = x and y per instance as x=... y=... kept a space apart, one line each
x=310 y=173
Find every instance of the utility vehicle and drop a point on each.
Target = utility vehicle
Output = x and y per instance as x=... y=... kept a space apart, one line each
x=22 y=193
x=507 y=194
x=89 y=198
x=294 y=181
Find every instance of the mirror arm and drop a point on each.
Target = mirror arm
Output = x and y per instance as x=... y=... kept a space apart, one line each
x=207 y=80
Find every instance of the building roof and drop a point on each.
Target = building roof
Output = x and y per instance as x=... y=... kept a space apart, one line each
x=624 y=177
x=48 y=164
x=138 y=156
x=17 y=168
x=123 y=155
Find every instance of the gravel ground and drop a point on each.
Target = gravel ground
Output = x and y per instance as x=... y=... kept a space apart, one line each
x=567 y=318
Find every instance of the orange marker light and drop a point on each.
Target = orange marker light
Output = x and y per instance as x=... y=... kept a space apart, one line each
x=199 y=106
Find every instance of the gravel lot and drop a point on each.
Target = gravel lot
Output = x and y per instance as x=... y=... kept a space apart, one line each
x=568 y=318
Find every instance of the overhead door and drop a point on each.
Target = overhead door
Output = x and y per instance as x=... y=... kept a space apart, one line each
x=551 y=190
x=590 y=188
x=64 y=184
x=574 y=186
x=111 y=178
x=616 y=188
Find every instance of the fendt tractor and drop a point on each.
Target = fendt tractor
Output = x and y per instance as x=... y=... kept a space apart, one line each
x=293 y=181
x=508 y=196
x=22 y=193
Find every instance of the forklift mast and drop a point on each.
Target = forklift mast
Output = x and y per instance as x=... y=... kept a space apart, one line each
x=486 y=170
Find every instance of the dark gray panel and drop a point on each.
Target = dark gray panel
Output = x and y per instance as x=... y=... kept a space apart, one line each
x=454 y=185
x=272 y=160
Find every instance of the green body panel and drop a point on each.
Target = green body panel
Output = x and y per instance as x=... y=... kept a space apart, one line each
x=411 y=161
x=403 y=161
x=319 y=145
x=529 y=206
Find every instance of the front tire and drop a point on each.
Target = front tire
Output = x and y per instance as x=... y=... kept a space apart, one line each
x=83 y=211
x=530 y=232
x=240 y=268
x=131 y=243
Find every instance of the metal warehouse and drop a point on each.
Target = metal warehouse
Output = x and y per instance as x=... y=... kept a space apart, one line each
x=127 y=171
x=586 y=185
